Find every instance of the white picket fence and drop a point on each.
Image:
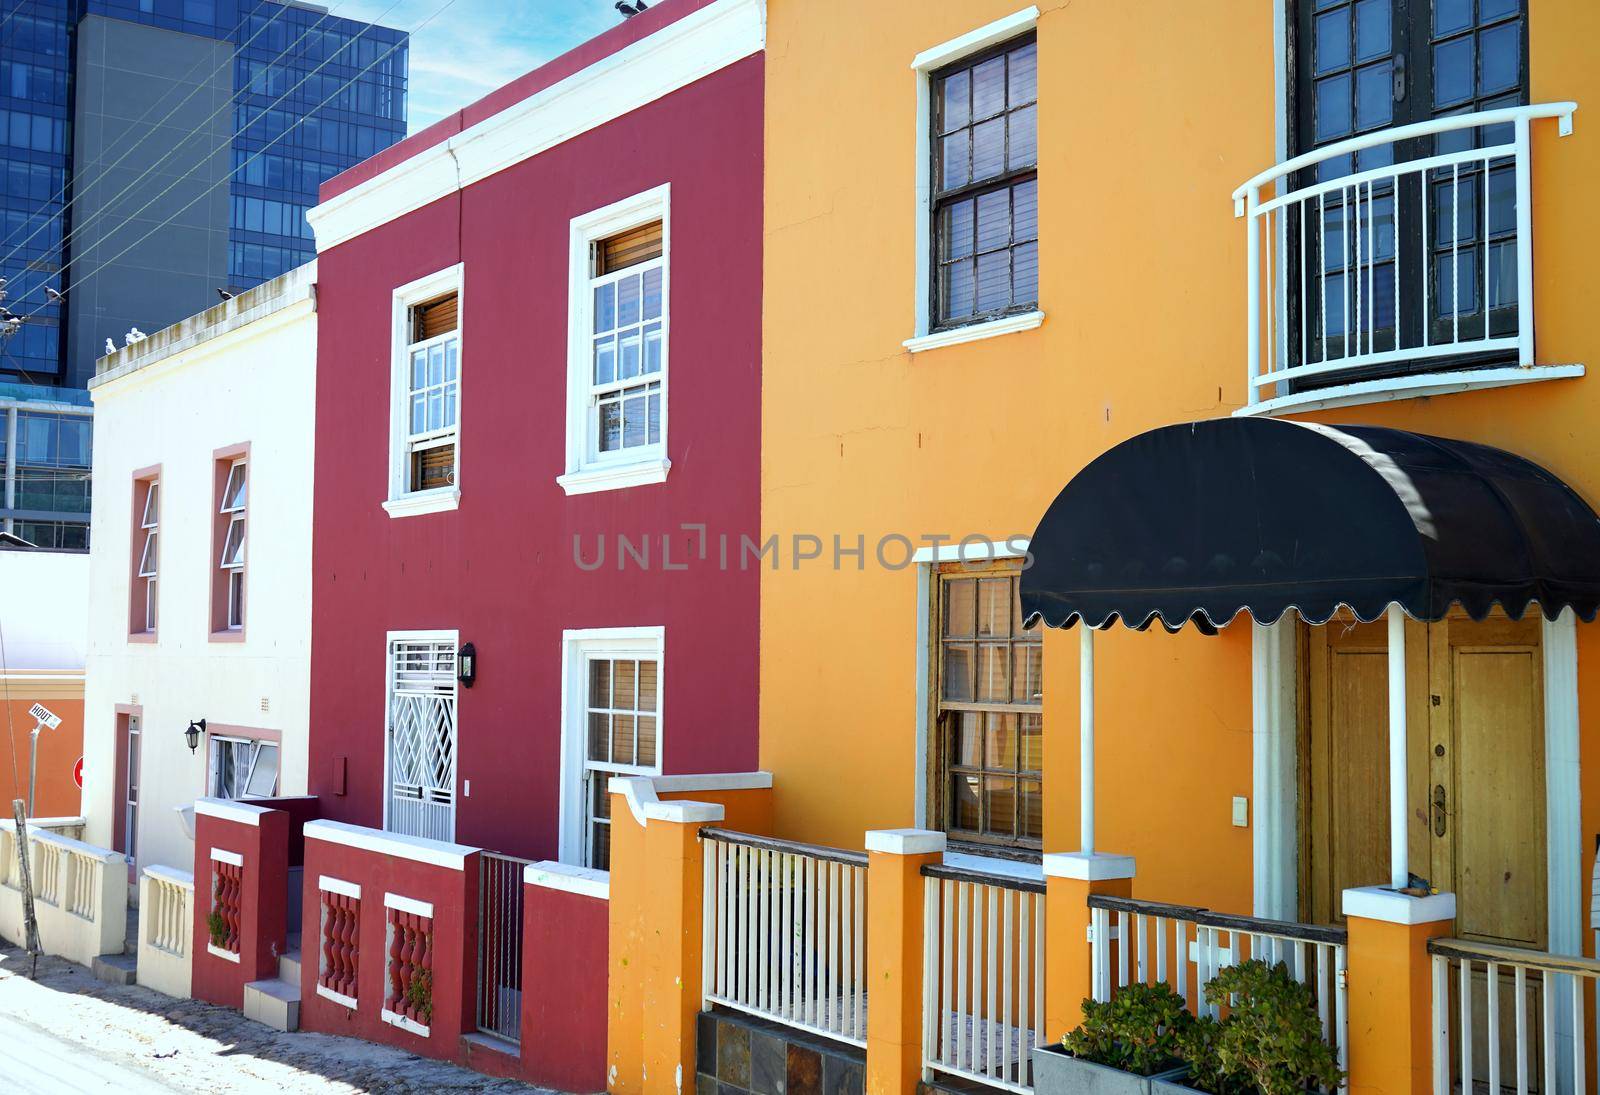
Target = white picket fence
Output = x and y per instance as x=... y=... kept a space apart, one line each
x=785 y=933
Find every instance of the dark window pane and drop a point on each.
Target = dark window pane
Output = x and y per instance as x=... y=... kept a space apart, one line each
x=955 y=230
x=1461 y=196
x=1023 y=126
x=1452 y=71
x=1374 y=100
x=1381 y=156
x=989 y=88
x=1333 y=41
x=994 y=220
x=999 y=806
x=967 y=749
x=1374 y=38
x=988 y=149
x=956 y=102
x=1500 y=55
x=1333 y=168
x=1494 y=9
x=1377 y=298
x=1502 y=274
x=1025 y=210
x=956 y=289
x=1467 y=264
x=1333 y=292
x=994 y=281
x=1377 y=227
x=1022 y=75
x=1502 y=201
x=1025 y=274
x=1333 y=107
x=1450 y=16
x=954 y=168
x=964 y=802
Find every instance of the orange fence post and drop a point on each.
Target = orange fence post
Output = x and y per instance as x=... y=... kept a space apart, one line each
x=1070 y=877
x=1391 y=987
x=895 y=918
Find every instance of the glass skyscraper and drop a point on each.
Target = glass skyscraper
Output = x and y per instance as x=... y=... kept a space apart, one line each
x=153 y=152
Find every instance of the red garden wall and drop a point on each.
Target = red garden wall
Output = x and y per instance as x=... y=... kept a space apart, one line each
x=566 y=918
x=244 y=851
x=393 y=878
x=501 y=567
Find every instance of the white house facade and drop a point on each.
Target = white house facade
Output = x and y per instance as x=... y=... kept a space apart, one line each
x=199 y=631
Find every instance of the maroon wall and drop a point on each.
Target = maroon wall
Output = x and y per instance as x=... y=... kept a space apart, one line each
x=500 y=568
x=565 y=941
x=453 y=894
x=262 y=904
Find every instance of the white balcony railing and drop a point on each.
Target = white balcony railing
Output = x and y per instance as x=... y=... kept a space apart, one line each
x=1402 y=252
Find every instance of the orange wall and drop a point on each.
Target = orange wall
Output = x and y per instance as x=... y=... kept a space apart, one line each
x=1151 y=112
x=59 y=749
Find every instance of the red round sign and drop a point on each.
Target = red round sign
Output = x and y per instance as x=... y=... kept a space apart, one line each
x=77 y=773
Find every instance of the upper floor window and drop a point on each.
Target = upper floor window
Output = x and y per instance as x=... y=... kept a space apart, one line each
x=231 y=562
x=425 y=457
x=147 y=555
x=617 y=376
x=985 y=189
x=987 y=672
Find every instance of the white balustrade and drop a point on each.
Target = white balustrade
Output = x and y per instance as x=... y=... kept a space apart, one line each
x=169 y=914
x=1376 y=255
x=1146 y=942
x=80 y=891
x=785 y=933
x=983 y=976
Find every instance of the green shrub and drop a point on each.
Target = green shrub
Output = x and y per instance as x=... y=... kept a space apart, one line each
x=1270 y=1042
x=419 y=994
x=1138 y=1031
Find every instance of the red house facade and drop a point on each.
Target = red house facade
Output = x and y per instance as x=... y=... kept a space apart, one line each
x=538 y=445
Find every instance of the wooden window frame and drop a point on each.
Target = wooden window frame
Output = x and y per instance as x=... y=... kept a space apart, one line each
x=940 y=770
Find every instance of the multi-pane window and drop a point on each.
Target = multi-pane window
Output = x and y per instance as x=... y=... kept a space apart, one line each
x=622 y=731
x=627 y=343
x=243 y=767
x=985 y=185
x=433 y=383
x=149 y=555
x=232 y=559
x=989 y=698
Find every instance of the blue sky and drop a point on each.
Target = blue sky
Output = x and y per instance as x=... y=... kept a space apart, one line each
x=477 y=45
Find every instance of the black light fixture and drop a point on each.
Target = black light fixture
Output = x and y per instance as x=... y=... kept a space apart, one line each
x=467 y=665
x=192 y=735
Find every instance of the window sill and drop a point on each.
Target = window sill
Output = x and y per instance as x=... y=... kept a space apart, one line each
x=424 y=501
x=1026 y=321
x=1002 y=866
x=1410 y=386
x=232 y=635
x=615 y=477
x=141 y=636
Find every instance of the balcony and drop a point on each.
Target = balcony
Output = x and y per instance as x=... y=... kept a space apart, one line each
x=1395 y=264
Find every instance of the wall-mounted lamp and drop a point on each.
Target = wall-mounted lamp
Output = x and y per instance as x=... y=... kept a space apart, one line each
x=192 y=735
x=467 y=665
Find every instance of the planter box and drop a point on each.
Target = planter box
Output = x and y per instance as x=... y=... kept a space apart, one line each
x=1171 y=1083
x=1056 y=1073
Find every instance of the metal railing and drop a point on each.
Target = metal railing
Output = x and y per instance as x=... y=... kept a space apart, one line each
x=1148 y=942
x=500 y=945
x=983 y=976
x=1441 y=233
x=1531 y=1042
x=168 y=917
x=785 y=933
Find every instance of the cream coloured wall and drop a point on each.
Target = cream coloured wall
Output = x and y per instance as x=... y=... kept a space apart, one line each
x=242 y=372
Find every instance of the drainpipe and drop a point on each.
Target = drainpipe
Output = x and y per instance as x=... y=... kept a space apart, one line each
x=1400 y=866
x=1085 y=737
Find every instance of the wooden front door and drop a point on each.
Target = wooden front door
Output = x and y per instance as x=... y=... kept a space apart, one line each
x=1475 y=714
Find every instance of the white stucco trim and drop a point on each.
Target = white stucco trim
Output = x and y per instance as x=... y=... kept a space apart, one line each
x=329 y=884
x=337 y=997
x=1094 y=867
x=584 y=881
x=415 y=848
x=402 y=903
x=673 y=57
x=230 y=810
x=227 y=956
x=222 y=855
x=1393 y=907
x=974 y=332
x=905 y=841
x=395 y=1019
x=1274 y=836
x=1563 y=790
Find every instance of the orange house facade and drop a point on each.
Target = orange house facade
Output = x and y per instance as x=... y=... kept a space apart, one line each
x=1167 y=318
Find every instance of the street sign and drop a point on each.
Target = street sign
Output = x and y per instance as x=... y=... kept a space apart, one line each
x=44 y=716
x=77 y=773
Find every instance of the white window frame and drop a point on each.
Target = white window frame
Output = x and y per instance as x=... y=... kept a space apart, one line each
x=150 y=525
x=234 y=575
x=402 y=501
x=213 y=769
x=453 y=637
x=586 y=474
x=924 y=65
x=577 y=648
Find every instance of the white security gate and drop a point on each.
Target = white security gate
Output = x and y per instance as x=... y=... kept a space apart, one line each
x=422 y=738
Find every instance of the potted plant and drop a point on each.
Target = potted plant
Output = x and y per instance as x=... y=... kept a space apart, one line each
x=1270 y=1042
x=1119 y=1047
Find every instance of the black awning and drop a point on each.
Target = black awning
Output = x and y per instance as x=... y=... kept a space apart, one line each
x=1204 y=520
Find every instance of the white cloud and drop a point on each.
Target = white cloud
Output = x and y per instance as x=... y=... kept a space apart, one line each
x=477 y=45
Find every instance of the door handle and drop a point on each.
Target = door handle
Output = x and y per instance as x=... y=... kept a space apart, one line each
x=1399 y=70
x=1439 y=803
